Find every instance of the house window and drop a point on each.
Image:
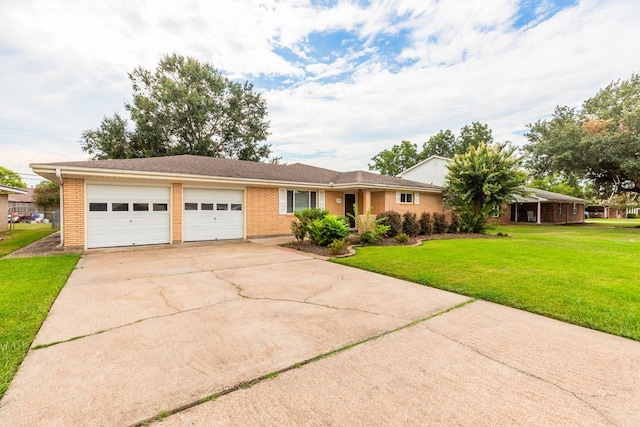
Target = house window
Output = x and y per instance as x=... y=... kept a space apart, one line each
x=559 y=208
x=406 y=198
x=299 y=200
x=495 y=211
x=575 y=209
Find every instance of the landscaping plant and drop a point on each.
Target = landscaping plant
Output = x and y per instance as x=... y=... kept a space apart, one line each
x=440 y=224
x=410 y=224
x=324 y=231
x=300 y=228
x=393 y=220
x=338 y=247
x=370 y=229
x=426 y=224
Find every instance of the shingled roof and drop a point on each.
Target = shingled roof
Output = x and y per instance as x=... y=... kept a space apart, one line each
x=240 y=170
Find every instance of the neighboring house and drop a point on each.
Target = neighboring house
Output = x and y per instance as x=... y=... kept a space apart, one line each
x=604 y=210
x=538 y=207
x=432 y=171
x=543 y=207
x=23 y=203
x=5 y=192
x=186 y=198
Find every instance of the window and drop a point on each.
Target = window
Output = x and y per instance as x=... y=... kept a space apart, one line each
x=222 y=207
x=140 y=207
x=206 y=206
x=291 y=201
x=190 y=206
x=236 y=207
x=157 y=207
x=575 y=209
x=97 y=207
x=119 y=207
x=404 y=197
x=559 y=208
x=299 y=200
x=495 y=211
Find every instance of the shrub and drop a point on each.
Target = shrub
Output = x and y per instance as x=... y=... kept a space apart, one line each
x=426 y=224
x=632 y=215
x=338 y=246
x=325 y=230
x=440 y=225
x=454 y=227
x=370 y=228
x=393 y=220
x=401 y=238
x=305 y=217
x=410 y=224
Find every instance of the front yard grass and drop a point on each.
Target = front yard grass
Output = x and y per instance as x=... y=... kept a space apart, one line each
x=22 y=235
x=586 y=275
x=614 y=222
x=28 y=288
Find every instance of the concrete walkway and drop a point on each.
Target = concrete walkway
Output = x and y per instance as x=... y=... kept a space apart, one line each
x=237 y=333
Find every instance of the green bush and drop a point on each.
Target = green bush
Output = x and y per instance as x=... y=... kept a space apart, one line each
x=401 y=238
x=325 y=230
x=370 y=229
x=305 y=217
x=393 y=220
x=426 y=224
x=410 y=224
x=454 y=227
x=338 y=247
x=440 y=225
x=632 y=216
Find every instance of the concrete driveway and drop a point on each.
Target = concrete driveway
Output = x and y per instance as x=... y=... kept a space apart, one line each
x=237 y=333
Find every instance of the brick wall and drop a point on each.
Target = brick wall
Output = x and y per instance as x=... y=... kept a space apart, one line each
x=386 y=201
x=176 y=211
x=330 y=202
x=73 y=211
x=263 y=218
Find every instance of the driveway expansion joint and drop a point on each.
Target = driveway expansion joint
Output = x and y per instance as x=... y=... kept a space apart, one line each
x=528 y=374
x=271 y=375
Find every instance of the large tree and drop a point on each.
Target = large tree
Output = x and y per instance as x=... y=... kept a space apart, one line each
x=480 y=181
x=599 y=143
x=11 y=178
x=184 y=107
x=47 y=195
x=444 y=143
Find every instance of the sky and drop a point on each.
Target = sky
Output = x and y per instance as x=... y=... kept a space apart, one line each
x=343 y=80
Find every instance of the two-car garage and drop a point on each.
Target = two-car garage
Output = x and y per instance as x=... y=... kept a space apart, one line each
x=127 y=215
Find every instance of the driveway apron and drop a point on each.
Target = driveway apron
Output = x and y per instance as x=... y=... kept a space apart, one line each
x=236 y=333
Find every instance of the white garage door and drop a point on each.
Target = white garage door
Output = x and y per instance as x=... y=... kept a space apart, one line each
x=122 y=215
x=212 y=214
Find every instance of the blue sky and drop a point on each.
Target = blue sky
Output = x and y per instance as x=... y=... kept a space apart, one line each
x=343 y=80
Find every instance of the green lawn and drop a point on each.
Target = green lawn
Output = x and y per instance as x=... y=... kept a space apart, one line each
x=22 y=235
x=614 y=222
x=28 y=288
x=587 y=275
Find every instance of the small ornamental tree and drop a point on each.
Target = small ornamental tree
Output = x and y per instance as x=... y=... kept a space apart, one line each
x=47 y=195
x=410 y=224
x=440 y=224
x=393 y=220
x=426 y=224
x=481 y=180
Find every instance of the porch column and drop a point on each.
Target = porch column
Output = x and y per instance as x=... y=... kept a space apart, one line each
x=366 y=201
x=515 y=206
x=538 y=216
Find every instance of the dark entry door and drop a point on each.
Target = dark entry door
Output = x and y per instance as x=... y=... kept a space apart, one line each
x=349 y=201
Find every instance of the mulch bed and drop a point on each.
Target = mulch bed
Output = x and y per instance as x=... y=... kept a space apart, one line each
x=312 y=248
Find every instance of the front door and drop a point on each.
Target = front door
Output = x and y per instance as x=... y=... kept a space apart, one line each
x=349 y=201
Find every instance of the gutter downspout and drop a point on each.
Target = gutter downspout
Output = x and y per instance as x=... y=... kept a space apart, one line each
x=59 y=176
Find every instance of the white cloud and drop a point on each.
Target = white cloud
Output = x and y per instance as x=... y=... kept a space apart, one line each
x=65 y=65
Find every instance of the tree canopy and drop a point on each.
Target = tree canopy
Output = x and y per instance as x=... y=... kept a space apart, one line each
x=11 y=178
x=480 y=181
x=599 y=143
x=47 y=195
x=184 y=107
x=444 y=143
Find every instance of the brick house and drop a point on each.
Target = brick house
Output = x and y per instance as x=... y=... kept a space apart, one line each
x=543 y=207
x=175 y=199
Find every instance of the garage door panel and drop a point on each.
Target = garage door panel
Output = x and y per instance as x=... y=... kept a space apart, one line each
x=120 y=215
x=208 y=214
